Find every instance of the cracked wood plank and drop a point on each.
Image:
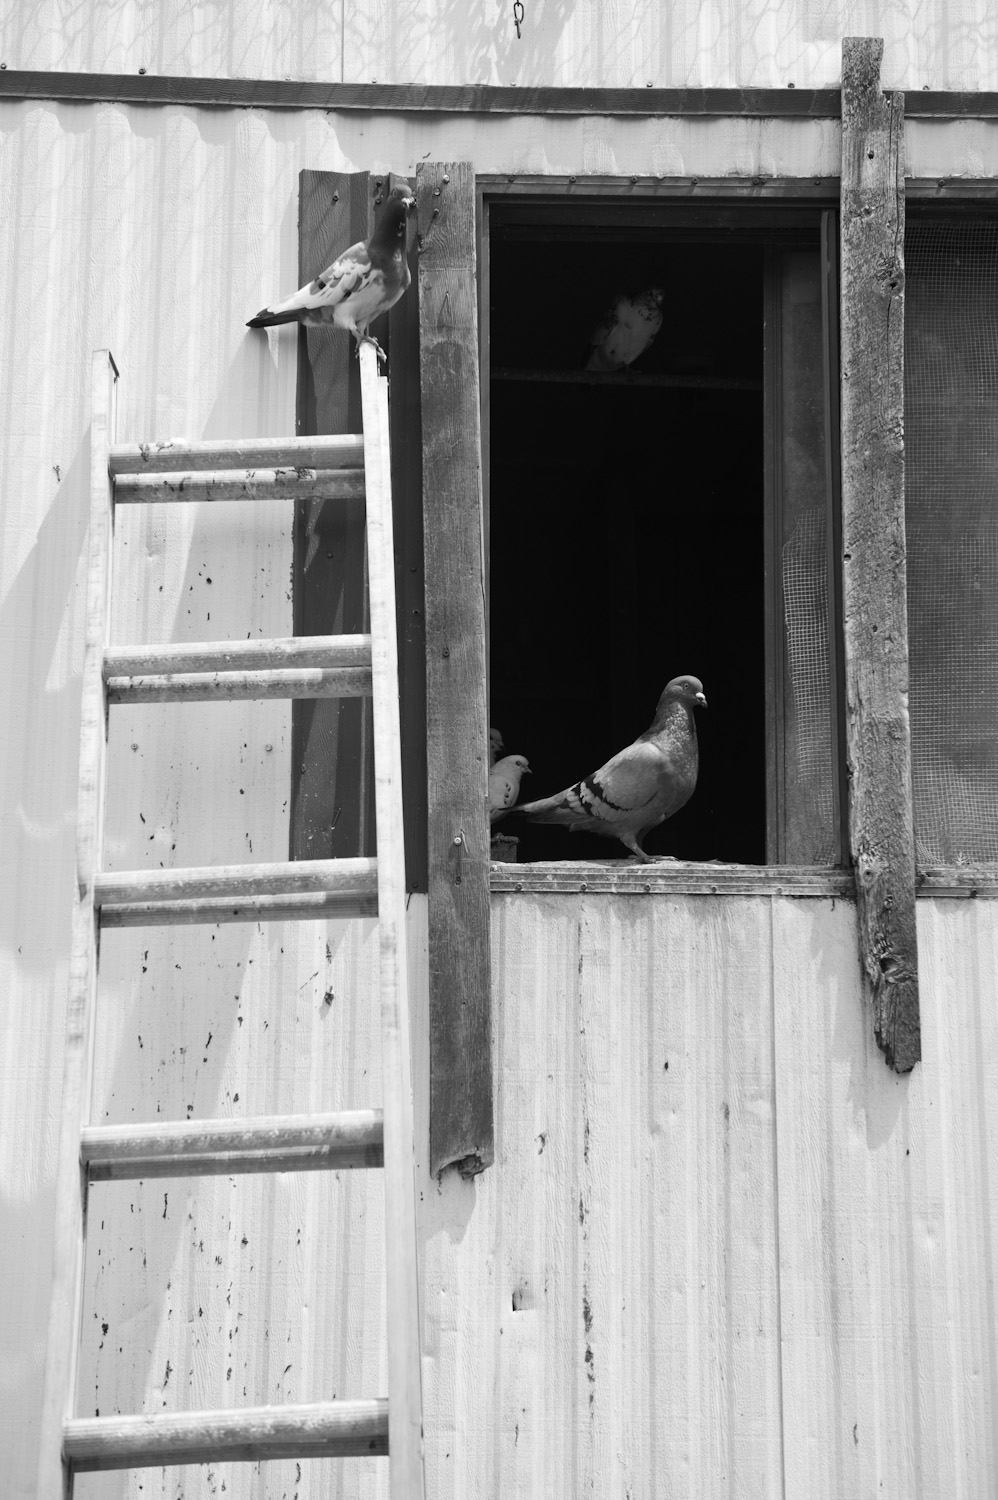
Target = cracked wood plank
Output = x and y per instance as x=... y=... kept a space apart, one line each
x=875 y=622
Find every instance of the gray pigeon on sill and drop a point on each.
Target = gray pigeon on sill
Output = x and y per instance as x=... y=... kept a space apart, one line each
x=639 y=787
x=504 y=784
x=627 y=329
x=363 y=283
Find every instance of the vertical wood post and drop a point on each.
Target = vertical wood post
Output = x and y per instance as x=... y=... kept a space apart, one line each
x=461 y=1125
x=875 y=621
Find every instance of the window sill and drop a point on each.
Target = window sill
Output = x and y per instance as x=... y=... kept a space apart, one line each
x=627 y=878
x=962 y=881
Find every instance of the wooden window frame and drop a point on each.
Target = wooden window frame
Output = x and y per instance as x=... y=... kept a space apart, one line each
x=454 y=211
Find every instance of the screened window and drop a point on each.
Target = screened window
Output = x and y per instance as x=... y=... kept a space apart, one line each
x=951 y=511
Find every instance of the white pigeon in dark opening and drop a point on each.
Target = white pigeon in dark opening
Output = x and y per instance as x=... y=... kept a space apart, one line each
x=642 y=785
x=363 y=283
x=504 y=784
x=627 y=329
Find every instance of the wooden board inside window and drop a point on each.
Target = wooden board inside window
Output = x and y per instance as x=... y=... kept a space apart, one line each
x=332 y=806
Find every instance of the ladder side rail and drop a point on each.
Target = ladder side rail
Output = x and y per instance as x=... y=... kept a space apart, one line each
x=65 y=1308
x=405 y=1407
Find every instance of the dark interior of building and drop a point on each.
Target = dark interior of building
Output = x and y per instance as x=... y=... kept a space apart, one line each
x=626 y=523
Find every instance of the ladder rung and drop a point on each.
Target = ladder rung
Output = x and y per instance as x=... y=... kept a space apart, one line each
x=228 y=687
x=307 y=907
x=334 y=451
x=355 y=877
x=282 y=653
x=324 y=1429
x=270 y=1143
x=240 y=484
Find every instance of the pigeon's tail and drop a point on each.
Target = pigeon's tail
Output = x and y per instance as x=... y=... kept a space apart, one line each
x=562 y=808
x=267 y=317
x=598 y=360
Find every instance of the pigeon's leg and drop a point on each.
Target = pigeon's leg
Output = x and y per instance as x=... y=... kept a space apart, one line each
x=369 y=338
x=630 y=841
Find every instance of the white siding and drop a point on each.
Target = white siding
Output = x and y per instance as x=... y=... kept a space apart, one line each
x=765 y=1268
x=609 y=43
x=778 y=1297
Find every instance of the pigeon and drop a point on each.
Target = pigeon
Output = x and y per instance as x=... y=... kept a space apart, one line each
x=363 y=283
x=496 y=746
x=627 y=330
x=642 y=785
x=504 y=784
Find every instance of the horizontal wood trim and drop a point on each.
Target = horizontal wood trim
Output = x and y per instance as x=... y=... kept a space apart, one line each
x=325 y=1429
x=677 y=878
x=408 y=98
x=964 y=881
x=632 y=378
x=504 y=185
x=475 y=99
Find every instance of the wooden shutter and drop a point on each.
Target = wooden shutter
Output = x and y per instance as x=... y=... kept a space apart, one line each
x=461 y=1124
x=332 y=813
x=875 y=621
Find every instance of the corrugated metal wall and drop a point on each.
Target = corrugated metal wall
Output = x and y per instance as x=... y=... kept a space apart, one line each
x=650 y=1242
x=621 y=43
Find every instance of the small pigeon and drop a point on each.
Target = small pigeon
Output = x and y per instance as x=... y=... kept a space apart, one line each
x=363 y=283
x=626 y=331
x=504 y=784
x=496 y=746
x=642 y=785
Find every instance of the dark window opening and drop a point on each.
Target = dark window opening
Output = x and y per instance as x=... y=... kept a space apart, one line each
x=671 y=519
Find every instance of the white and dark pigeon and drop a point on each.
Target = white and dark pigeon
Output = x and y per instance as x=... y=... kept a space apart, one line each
x=627 y=329
x=363 y=283
x=639 y=787
x=504 y=784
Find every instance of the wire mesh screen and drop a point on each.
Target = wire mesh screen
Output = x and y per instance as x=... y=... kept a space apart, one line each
x=808 y=774
x=951 y=504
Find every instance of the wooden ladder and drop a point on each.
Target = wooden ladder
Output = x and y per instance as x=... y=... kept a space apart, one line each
x=327 y=666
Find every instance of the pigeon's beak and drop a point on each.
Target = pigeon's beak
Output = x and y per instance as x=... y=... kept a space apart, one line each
x=409 y=204
x=701 y=700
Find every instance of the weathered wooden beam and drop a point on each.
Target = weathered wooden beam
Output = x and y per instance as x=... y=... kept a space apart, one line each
x=461 y=1124
x=875 y=622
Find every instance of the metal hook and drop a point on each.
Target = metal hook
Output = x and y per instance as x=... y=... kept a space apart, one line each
x=517 y=16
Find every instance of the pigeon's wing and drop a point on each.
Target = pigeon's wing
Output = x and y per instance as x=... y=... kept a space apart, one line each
x=618 y=794
x=627 y=784
x=346 y=277
x=600 y=337
x=638 y=322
